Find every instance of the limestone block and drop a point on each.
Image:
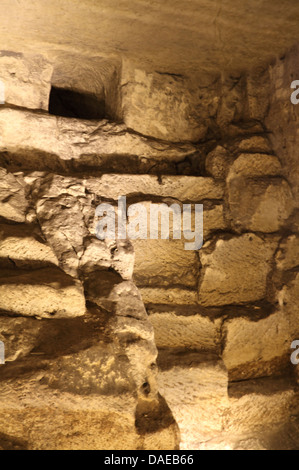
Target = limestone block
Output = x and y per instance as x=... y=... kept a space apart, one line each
x=166 y=107
x=67 y=215
x=50 y=185
x=233 y=99
x=197 y=396
x=181 y=188
x=51 y=142
x=255 y=144
x=258 y=94
x=244 y=414
x=270 y=435
x=213 y=221
x=27 y=79
x=118 y=255
x=62 y=223
x=257 y=348
x=45 y=293
x=22 y=247
x=173 y=296
x=195 y=332
x=260 y=205
x=102 y=369
x=255 y=165
x=142 y=355
x=236 y=271
x=124 y=355
x=121 y=298
x=43 y=419
x=164 y=263
x=257 y=405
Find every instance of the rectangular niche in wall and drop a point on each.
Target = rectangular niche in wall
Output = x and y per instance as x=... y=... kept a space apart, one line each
x=85 y=88
x=75 y=104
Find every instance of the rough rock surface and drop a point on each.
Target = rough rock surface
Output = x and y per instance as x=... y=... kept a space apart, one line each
x=288 y=255
x=203 y=388
x=89 y=329
x=13 y=203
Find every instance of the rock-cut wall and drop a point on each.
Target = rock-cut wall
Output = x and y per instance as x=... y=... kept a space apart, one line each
x=142 y=344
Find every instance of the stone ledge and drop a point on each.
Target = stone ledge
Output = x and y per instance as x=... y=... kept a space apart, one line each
x=174 y=296
x=35 y=140
x=181 y=188
x=190 y=332
x=43 y=293
x=21 y=246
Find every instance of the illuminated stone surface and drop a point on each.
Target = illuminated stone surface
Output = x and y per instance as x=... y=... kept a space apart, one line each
x=140 y=344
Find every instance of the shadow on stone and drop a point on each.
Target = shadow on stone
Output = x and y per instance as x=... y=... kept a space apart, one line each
x=153 y=416
x=11 y=443
x=72 y=104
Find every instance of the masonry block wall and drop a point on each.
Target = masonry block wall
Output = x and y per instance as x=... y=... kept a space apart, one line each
x=142 y=344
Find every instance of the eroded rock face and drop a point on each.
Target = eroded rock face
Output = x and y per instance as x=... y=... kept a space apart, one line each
x=13 y=204
x=83 y=323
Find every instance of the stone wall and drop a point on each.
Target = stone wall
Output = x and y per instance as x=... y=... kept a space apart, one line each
x=142 y=344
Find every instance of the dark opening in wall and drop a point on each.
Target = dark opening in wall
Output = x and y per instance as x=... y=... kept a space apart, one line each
x=74 y=104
